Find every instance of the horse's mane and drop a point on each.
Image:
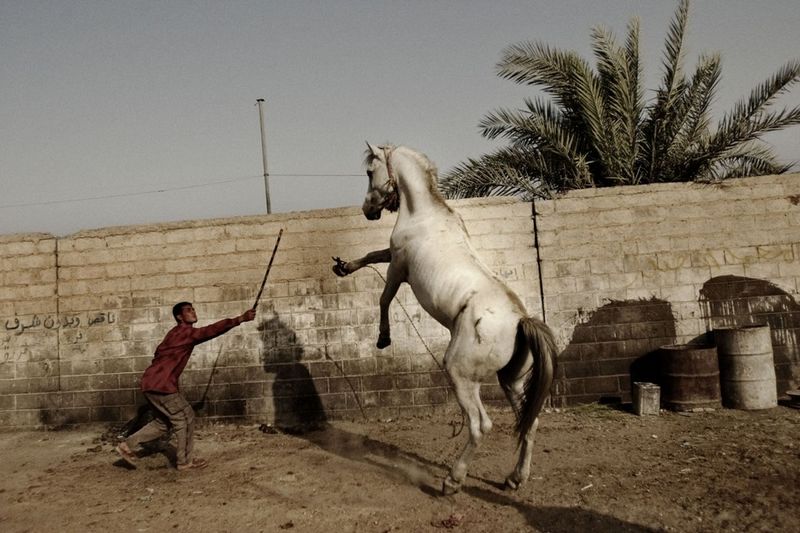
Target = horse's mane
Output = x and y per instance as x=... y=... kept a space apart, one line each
x=431 y=172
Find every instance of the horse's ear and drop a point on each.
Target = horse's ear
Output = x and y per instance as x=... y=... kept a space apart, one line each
x=373 y=149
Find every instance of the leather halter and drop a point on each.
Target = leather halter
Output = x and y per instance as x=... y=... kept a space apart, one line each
x=392 y=182
x=392 y=200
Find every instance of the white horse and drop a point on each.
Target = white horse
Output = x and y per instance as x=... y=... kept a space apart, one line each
x=490 y=331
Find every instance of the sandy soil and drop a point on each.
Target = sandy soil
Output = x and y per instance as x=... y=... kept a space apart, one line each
x=596 y=469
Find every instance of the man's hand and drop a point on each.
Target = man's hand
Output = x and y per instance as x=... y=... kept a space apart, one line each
x=247 y=316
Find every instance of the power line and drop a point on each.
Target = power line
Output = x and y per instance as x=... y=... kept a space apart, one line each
x=320 y=175
x=170 y=189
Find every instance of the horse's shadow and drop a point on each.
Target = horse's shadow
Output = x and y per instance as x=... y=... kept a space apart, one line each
x=403 y=466
x=299 y=412
x=396 y=463
x=559 y=519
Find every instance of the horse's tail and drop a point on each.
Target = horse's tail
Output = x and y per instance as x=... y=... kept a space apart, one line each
x=536 y=336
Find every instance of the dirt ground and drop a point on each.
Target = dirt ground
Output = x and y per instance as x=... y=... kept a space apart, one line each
x=595 y=469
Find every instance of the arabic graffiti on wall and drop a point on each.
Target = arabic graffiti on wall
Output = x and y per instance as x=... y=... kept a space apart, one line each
x=19 y=326
x=12 y=350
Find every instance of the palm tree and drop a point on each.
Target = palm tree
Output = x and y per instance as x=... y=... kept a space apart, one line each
x=596 y=129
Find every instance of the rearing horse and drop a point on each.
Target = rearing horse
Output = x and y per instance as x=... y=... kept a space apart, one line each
x=490 y=331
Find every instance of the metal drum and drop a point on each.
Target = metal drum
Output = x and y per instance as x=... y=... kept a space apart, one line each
x=690 y=377
x=747 y=368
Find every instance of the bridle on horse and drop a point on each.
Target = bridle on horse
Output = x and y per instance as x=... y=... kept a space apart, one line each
x=392 y=200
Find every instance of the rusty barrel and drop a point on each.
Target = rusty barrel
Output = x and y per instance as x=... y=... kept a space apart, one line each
x=690 y=377
x=747 y=367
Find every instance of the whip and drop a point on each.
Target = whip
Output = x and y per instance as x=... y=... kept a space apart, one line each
x=272 y=258
x=199 y=405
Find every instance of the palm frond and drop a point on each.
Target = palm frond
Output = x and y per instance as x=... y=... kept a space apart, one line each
x=591 y=105
x=634 y=67
x=659 y=128
x=635 y=97
x=762 y=96
x=749 y=159
x=749 y=118
x=692 y=118
x=498 y=174
x=673 y=57
x=620 y=89
x=555 y=71
x=514 y=171
x=540 y=127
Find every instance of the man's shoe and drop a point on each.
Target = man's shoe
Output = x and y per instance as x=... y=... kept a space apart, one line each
x=196 y=464
x=126 y=454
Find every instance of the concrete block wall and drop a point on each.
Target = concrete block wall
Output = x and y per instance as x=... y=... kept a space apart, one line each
x=83 y=315
x=626 y=270
x=28 y=327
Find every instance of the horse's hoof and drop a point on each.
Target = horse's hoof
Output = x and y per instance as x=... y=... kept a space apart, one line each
x=383 y=342
x=340 y=268
x=450 y=486
x=511 y=483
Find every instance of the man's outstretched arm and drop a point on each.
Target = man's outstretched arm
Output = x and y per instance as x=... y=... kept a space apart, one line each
x=216 y=329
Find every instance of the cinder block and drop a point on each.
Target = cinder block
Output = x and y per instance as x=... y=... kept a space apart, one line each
x=406 y=381
x=430 y=396
x=379 y=382
x=103 y=382
x=762 y=270
x=334 y=402
x=344 y=384
x=397 y=398
x=683 y=293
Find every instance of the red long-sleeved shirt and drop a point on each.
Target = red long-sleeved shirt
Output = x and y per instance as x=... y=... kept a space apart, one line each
x=174 y=351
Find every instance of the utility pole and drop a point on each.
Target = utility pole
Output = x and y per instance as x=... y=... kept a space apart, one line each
x=260 y=101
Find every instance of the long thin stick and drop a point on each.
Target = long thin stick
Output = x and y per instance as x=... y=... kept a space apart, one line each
x=199 y=405
x=258 y=296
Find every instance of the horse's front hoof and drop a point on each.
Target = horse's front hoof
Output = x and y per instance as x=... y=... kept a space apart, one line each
x=340 y=268
x=450 y=486
x=383 y=342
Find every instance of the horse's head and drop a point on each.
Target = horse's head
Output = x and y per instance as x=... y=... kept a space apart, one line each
x=382 y=189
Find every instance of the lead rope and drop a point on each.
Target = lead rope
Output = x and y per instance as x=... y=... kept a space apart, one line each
x=347 y=379
x=411 y=321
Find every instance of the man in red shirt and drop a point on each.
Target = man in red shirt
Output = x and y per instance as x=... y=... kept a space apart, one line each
x=160 y=385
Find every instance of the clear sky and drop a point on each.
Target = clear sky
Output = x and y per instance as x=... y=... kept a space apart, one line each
x=132 y=112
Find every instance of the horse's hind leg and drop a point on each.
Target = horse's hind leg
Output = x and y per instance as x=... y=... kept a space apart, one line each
x=468 y=395
x=513 y=386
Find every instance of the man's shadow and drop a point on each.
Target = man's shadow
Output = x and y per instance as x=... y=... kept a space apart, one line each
x=298 y=407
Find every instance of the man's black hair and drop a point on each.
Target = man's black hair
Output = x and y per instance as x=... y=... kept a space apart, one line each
x=178 y=308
